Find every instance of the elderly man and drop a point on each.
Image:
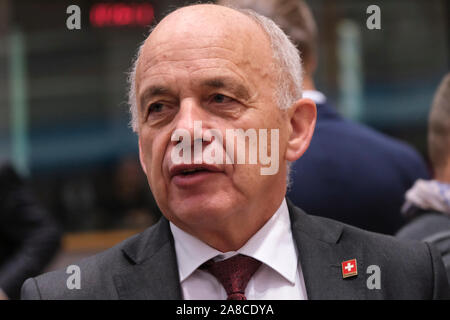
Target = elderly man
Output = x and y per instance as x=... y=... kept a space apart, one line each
x=227 y=230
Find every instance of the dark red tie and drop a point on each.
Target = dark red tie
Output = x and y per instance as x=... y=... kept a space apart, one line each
x=233 y=273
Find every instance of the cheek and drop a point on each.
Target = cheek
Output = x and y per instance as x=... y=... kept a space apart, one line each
x=153 y=146
x=246 y=177
x=154 y=150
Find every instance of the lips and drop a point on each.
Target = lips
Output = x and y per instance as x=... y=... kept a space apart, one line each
x=186 y=175
x=188 y=169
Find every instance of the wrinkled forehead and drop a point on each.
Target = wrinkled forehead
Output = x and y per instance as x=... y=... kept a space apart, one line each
x=208 y=26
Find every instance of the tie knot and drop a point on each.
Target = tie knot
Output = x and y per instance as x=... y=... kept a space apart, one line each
x=233 y=273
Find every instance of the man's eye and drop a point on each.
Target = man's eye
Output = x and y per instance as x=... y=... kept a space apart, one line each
x=220 y=98
x=155 y=107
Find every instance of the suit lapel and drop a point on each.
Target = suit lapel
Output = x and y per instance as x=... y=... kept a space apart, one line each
x=153 y=272
x=321 y=253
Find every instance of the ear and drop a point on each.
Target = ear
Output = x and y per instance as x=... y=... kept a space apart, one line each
x=302 y=116
x=141 y=158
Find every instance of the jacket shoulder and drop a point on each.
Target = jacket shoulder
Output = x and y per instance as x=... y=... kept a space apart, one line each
x=91 y=278
x=410 y=269
x=345 y=133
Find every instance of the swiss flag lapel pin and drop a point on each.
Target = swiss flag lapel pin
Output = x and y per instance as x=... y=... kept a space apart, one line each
x=349 y=268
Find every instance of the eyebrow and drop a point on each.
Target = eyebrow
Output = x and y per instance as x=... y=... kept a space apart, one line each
x=216 y=83
x=152 y=91
x=227 y=83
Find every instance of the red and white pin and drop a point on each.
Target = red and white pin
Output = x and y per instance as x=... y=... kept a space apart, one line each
x=349 y=268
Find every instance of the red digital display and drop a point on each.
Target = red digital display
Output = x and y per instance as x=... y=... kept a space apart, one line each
x=121 y=14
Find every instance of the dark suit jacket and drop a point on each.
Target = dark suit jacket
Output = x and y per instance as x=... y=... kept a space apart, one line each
x=145 y=266
x=29 y=238
x=354 y=174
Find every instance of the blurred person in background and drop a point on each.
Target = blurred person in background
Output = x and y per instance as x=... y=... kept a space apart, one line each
x=129 y=204
x=427 y=205
x=351 y=172
x=29 y=238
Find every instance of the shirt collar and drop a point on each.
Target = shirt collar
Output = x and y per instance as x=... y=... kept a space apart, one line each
x=316 y=96
x=273 y=245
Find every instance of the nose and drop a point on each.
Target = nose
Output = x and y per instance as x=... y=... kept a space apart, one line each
x=189 y=112
x=191 y=118
x=195 y=128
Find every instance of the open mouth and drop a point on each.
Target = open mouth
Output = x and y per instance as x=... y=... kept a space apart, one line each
x=192 y=169
x=188 y=172
x=188 y=175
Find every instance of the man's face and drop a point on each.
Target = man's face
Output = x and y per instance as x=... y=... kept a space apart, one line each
x=218 y=70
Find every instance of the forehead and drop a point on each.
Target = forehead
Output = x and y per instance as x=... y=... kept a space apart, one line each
x=197 y=39
x=208 y=21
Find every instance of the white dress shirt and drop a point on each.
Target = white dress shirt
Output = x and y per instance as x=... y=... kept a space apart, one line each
x=316 y=96
x=279 y=276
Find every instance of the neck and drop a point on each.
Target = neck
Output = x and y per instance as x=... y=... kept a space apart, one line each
x=234 y=236
x=233 y=232
x=443 y=174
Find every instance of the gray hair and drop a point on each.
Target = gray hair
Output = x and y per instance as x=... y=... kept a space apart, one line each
x=286 y=57
x=294 y=17
x=439 y=126
x=132 y=90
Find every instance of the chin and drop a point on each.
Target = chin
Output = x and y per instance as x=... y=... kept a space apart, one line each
x=202 y=208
